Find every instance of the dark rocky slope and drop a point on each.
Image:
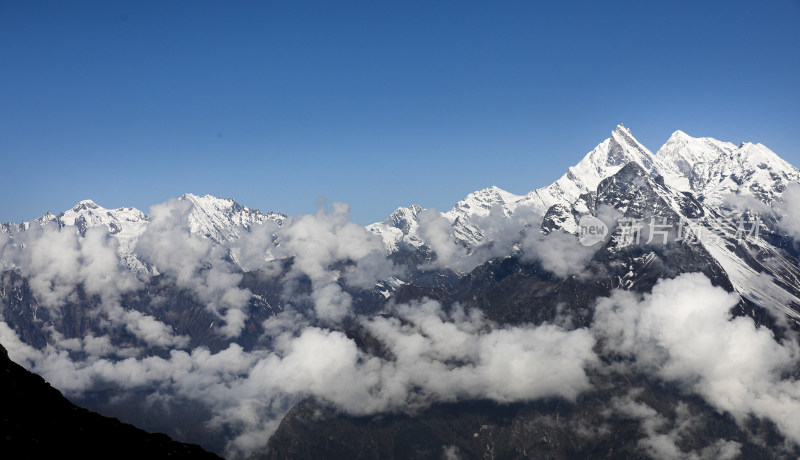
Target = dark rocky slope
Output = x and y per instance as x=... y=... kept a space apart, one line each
x=36 y=421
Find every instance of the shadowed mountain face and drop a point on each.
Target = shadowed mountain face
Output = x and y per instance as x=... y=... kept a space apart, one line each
x=554 y=429
x=38 y=422
x=493 y=330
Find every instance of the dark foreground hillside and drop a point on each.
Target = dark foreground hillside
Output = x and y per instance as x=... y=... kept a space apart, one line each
x=36 y=421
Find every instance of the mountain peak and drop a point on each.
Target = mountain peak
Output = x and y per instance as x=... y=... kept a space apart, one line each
x=481 y=202
x=678 y=134
x=495 y=192
x=610 y=156
x=223 y=219
x=209 y=200
x=84 y=205
x=623 y=136
x=621 y=129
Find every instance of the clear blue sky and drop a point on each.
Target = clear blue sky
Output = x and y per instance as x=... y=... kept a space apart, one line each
x=377 y=104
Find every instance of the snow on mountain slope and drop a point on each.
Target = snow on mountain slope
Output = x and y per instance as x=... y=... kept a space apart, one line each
x=476 y=205
x=685 y=151
x=400 y=229
x=481 y=202
x=603 y=161
x=757 y=270
x=223 y=219
x=713 y=170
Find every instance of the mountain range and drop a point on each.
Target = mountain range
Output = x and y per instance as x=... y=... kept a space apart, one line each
x=720 y=175
x=264 y=327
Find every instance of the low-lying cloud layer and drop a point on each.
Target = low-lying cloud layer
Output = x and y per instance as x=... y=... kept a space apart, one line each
x=434 y=357
x=683 y=332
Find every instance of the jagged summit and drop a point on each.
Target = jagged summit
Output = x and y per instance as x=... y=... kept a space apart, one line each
x=481 y=202
x=714 y=170
x=205 y=198
x=400 y=228
x=683 y=152
x=623 y=133
x=604 y=160
x=222 y=219
x=85 y=204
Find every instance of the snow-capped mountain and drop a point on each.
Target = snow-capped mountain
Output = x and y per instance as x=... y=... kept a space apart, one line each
x=400 y=229
x=221 y=220
x=716 y=173
x=87 y=214
x=710 y=169
x=757 y=270
x=702 y=176
x=603 y=161
x=714 y=170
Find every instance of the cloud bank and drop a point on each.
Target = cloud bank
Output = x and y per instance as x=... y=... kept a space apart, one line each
x=433 y=356
x=683 y=332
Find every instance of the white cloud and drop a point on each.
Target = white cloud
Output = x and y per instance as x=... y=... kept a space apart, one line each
x=437 y=234
x=744 y=203
x=789 y=210
x=683 y=332
x=148 y=329
x=56 y=260
x=558 y=252
x=331 y=304
x=499 y=235
x=317 y=243
x=504 y=364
